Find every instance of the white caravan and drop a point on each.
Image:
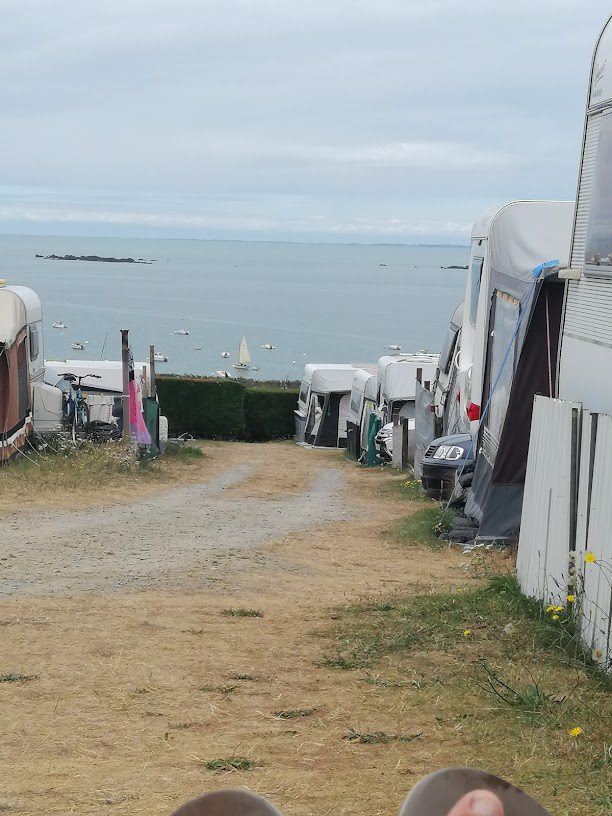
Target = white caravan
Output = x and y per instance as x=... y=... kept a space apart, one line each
x=586 y=338
x=507 y=242
x=362 y=405
x=397 y=376
x=323 y=404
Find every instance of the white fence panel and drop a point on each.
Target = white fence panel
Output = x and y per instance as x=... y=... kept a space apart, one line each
x=546 y=523
x=594 y=536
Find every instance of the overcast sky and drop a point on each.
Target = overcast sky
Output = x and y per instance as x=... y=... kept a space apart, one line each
x=333 y=120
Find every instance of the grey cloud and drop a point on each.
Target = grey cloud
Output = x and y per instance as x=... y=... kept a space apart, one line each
x=402 y=114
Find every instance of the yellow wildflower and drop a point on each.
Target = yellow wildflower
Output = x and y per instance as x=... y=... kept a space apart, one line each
x=555 y=617
x=589 y=558
x=467 y=632
x=550 y=609
x=576 y=732
x=571 y=598
x=558 y=609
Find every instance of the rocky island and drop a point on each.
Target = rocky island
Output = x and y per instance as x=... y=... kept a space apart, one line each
x=98 y=258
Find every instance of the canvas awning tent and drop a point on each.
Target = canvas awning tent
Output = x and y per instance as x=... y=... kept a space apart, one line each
x=397 y=376
x=327 y=404
x=521 y=349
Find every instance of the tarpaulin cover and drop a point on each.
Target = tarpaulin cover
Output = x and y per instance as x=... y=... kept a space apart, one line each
x=150 y=410
x=399 y=381
x=332 y=379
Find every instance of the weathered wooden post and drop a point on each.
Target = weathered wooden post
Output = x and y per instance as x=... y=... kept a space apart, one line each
x=152 y=386
x=125 y=369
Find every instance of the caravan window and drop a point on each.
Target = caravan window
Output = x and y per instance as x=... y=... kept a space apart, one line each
x=355 y=401
x=502 y=353
x=34 y=343
x=476 y=275
x=303 y=392
x=598 y=248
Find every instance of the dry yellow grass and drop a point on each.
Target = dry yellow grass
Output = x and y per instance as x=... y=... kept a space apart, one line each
x=134 y=692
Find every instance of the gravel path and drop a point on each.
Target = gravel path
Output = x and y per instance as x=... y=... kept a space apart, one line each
x=154 y=543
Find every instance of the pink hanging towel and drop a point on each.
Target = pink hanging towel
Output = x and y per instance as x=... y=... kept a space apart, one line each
x=138 y=428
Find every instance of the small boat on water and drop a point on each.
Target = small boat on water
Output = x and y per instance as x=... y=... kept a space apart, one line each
x=59 y=324
x=393 y=347
x=223 y=374
x=244 y=358
x=197 y=348
x=159 y=357
x=78 y=346
x=225 y=354
x=181 y=331
x=268 y=346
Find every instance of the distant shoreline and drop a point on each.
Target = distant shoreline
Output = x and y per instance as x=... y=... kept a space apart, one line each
x=66 y=236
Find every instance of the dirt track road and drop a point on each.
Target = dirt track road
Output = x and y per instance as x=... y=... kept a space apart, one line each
x=178 y=538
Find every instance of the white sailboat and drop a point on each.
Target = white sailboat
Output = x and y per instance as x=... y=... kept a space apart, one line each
x=244 y=358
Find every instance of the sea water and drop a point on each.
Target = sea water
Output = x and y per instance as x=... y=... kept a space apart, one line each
x=341 y=303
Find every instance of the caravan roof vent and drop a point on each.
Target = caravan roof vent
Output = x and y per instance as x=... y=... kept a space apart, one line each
x=2 y=282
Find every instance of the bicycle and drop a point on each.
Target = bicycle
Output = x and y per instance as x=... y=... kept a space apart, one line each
x=77 y=413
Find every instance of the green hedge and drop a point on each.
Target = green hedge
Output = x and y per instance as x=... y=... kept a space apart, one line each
x=210 y=409
x=268 y=414
x=226 y=409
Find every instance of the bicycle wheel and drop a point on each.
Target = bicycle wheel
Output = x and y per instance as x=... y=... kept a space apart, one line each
x=80 y=426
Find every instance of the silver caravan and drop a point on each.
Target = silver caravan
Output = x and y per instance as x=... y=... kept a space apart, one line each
x=586 y=340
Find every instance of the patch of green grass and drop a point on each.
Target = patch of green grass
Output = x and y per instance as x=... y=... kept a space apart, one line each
x=294 y=713
x=379 y=737
x=223 y=689
x=242 y=613
x=373 y=606
x=179 y=450
x=17 y=678
x=388 y=682
x=236 y=763
x=424 y=526
x=438 y=621
x=347 y=662
x=531 y=699
x=236 y=676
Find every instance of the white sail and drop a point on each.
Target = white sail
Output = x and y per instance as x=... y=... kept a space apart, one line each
x=243 y=355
